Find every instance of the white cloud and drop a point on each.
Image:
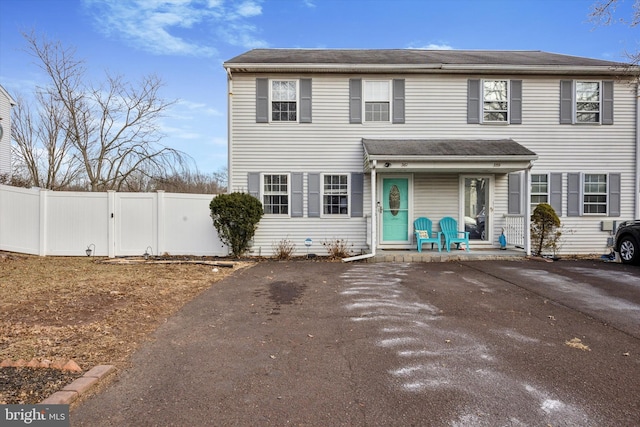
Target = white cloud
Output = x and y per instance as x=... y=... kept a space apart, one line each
x=433 y=46
x=248 y=9
x=177 y=27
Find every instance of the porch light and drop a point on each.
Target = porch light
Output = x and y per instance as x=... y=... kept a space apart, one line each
x=88 y=251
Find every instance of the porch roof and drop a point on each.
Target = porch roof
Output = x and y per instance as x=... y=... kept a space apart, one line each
x=447 y=155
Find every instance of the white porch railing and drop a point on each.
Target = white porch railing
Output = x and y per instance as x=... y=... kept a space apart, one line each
x=514 y=230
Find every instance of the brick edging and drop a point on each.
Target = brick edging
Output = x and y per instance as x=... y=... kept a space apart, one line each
x=72 y=391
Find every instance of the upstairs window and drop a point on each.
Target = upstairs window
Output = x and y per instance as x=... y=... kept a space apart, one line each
x=335 y=194
x=275 y=194
x=284 y=100
x=588 y=102
x=495 y=100
x=377 y=101
x=280 y=101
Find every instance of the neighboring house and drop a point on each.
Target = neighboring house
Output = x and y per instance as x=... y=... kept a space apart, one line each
x=356 y=144
x=6 y=102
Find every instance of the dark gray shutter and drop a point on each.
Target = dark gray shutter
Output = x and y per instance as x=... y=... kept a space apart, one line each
x=253 y=184
x=573 y=194
x=614 y=194
x=296 y=194
x=357 y=194
x=515 y=187
x=515 y=104
x=313 y=195
x=262 y=100
x=355 y=100
x=607 y=102
x=398 y=101
x=555 y=189
x=473 y=101
x=566 y=102
x=305 y=100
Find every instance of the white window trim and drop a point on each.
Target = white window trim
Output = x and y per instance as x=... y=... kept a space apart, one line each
x=531 y=193
x=297 y=120
x=262 y=194
x=364 y=102
x=575 y=103
x=582 y=194
x=322 y=194
x=491 y=122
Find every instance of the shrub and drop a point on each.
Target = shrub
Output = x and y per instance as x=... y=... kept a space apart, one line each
x=337 y=248
x=236 y=217
x=544 y=229
x=283 y=249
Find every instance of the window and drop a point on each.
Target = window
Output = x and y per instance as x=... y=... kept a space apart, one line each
x=335 y=194
x=539 y=189
x=275 y=194
x=284 y=100
x=595 y=194
x=377 y=95
x=495 y=100
x=588 y=102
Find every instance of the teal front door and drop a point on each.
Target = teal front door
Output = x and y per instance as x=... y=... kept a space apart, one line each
x=395 y=211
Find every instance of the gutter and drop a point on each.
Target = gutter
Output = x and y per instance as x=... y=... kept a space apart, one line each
x=433 y=68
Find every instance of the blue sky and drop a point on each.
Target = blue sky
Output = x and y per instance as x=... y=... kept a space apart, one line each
x=185 y=42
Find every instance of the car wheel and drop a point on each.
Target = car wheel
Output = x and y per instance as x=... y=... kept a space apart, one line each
x=629 y=251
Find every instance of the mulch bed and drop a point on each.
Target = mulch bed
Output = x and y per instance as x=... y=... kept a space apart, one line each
x=32 y=385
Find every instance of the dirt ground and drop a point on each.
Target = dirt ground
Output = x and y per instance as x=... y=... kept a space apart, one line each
x=92 y=310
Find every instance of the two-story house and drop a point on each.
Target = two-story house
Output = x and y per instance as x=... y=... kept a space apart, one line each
x=356 y=144
x=6 y=102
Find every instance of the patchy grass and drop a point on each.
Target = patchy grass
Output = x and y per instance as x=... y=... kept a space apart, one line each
x=89 y=311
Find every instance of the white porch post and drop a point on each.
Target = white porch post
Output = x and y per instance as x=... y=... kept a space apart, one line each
x=527 y=211
x=374 y=209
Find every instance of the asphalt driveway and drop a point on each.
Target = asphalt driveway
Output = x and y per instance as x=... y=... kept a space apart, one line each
x=439 y=344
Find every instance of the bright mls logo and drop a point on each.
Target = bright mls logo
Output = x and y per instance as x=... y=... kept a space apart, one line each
x=34 y=415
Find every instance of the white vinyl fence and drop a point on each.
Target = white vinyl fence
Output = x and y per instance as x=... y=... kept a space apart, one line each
x=44 y=222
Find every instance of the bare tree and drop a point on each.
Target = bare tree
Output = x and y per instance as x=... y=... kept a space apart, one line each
x=42 y=149
x=603 y=12
x=110 y=132
x=196 y=182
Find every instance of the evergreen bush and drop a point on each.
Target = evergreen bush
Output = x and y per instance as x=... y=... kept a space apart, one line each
x=545 y=233
x=236 y=217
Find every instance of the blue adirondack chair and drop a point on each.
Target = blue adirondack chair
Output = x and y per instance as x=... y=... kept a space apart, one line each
x=422 y=229
x=449 y=227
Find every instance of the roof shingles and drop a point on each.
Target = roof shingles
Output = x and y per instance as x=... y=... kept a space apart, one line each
x=414 y=57
x=445 y=147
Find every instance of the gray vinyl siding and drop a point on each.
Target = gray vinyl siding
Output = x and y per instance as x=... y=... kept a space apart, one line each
x=436 y=196
x=435 y=107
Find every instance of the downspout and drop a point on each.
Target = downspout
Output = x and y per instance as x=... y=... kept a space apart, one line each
x=527 y=210
x=229 y=127
x=374 y=220
x=637 y=175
